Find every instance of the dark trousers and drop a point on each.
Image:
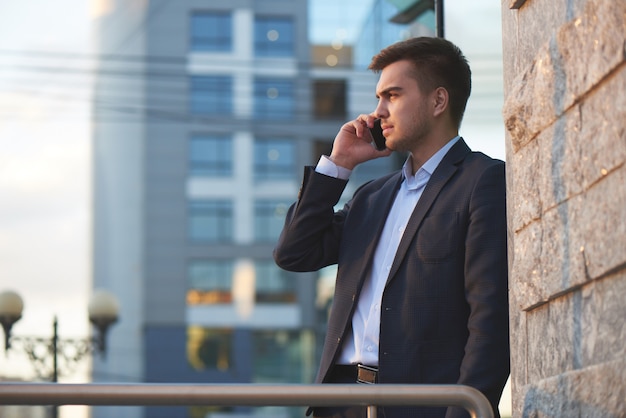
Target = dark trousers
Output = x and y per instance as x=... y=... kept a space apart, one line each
x=343 y=411
x=346 y=376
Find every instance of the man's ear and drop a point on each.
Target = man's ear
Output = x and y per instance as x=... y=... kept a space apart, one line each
x=440 y=100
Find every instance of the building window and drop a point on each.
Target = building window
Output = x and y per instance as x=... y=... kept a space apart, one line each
x=210 y=349
x=211 y=32
x=371 y=169
x=211 y=155
x=330 y=99
x=274 y=159
x=273 y=36
x=273 y=98
x=269 y=217
x=210 y=281
x=274 y=285
x=210 y=221
x=281 y=356
x=211 y=95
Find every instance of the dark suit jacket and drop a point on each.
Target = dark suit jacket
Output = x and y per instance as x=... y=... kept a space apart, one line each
x=444 y=314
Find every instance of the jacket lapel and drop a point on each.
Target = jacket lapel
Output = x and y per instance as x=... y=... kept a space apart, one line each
x=446 y=168
x=367 y=238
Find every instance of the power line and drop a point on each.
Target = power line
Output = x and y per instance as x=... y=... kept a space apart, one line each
x=95 y=57
x=153 y=12
x=175 y=59
x=169 y=108
x=155 y=79
x=106 y=58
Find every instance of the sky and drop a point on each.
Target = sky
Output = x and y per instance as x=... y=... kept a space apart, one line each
x=45 y=199
x=44 y=163
x=44 y=175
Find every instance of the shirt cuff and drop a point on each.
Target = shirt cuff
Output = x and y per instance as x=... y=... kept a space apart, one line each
x=327 y=167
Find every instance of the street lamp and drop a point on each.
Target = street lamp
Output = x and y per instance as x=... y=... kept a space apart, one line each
x=11 y=306
x=103 y=311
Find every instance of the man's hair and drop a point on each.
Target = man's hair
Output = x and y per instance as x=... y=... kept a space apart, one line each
x=437 y=62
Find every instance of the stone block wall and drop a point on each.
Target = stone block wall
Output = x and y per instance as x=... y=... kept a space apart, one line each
x=565 y=119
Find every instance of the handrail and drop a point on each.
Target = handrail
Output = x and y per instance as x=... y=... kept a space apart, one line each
x=247 y=395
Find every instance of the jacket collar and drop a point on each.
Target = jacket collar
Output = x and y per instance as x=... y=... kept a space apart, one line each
x=445 y=170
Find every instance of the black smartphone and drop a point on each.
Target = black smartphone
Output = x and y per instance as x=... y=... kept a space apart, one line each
x=377 y=134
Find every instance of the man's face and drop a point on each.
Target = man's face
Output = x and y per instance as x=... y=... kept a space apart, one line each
x=402 y=107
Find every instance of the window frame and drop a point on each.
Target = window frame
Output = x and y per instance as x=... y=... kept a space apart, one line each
x=281 y=47
x=264 y=169
x=269 y=217
x=219 y=36
x=220 y=214
x=211 y=95
x=282 y=105
x=218 y=152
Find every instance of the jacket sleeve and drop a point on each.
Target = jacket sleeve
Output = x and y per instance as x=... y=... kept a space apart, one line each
x=312 y=232
x=486 y=365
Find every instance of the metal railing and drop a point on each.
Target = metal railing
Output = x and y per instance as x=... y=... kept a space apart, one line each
x=370 y=396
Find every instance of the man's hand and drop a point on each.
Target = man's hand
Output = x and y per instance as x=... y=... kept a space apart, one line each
x=352 y=144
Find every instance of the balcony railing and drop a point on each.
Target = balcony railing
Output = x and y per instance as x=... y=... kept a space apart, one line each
x=247 y=395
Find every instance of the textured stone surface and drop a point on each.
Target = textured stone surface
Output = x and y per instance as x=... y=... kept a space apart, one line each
x=580 y=240
x=578 y=331
x=603 y=325
x=596 y=392
x=559 y=182
x=529 y=106
x=595 y=39
x=578 y=150
x=553 y=81
x=601 y=230
x=532 y=25
x=602 y=141
x=565 y=113
x=554 y=152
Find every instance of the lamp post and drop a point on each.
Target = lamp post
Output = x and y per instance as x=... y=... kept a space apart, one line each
x=103 y=311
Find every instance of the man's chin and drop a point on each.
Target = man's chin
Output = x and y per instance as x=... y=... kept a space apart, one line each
x=395 y=145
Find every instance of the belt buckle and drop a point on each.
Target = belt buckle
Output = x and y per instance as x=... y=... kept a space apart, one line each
x=366 y=374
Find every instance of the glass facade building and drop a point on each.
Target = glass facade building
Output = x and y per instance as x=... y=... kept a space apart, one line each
x=193 y=176
x=225 y=102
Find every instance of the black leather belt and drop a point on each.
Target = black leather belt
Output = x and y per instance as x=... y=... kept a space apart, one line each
x=358 y=373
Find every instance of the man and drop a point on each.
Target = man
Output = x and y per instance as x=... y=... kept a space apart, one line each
x=421 y=288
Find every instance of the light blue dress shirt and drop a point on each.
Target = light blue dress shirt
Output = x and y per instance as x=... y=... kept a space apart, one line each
x=362 y=346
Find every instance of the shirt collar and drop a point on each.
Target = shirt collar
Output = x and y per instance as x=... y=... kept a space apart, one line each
x=428 y=167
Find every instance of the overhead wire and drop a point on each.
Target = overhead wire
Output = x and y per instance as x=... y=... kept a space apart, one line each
x=154 y=79
x=159 y=82
x=167 y=89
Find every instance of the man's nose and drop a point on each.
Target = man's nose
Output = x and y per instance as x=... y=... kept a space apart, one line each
x=381 y=110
